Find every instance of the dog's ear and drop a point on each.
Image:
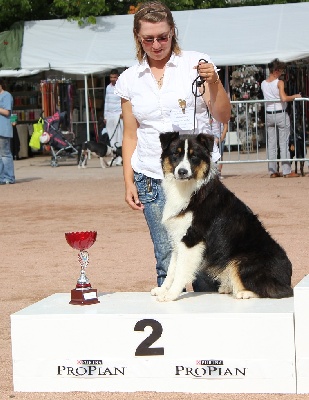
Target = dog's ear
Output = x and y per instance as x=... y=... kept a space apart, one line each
x=167 y=138
x=206 y=140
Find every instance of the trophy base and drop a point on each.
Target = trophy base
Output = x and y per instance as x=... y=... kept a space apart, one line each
x=83 y=297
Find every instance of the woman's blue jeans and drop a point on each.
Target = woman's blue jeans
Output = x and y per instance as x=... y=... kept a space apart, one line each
x=151 y=195
x=6 y=161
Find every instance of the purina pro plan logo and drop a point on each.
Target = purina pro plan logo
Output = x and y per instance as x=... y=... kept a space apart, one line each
x=89 y=369
x=210 y=369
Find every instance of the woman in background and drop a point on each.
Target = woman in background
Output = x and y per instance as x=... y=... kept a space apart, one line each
x=277 y=119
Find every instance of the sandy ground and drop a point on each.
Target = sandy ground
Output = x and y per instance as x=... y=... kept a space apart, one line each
x=47 y=202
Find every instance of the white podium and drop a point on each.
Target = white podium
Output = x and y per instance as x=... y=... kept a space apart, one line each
x=301 y=305
x=202 y=343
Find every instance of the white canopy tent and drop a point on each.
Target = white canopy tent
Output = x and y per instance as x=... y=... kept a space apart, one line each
x=231 y=36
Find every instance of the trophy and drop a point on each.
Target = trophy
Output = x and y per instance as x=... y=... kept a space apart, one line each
x=83 y=293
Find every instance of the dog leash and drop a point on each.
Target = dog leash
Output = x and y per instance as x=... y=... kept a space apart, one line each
x=196 y=84
x=115 y=130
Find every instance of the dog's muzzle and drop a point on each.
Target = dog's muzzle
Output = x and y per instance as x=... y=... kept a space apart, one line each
x=182 y=174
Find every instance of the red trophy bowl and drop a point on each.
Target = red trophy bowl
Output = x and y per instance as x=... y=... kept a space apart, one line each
x=83 y=293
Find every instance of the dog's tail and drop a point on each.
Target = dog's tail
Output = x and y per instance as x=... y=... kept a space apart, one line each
x=272 y=280
x=273 y=288
x=278 y=291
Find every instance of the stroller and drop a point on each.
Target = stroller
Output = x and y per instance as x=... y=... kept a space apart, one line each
x=59 y=141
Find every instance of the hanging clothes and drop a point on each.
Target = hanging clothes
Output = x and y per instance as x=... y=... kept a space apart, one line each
x=58 y=95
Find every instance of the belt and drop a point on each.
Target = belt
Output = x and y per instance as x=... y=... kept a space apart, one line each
x=275 y=112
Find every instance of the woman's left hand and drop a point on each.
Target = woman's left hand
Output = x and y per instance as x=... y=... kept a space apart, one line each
x=207 y=72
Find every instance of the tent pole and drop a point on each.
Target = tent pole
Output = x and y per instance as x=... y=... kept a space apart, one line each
x=87 y=107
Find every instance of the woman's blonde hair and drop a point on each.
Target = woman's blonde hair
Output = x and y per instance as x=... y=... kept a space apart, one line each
x=153 y=11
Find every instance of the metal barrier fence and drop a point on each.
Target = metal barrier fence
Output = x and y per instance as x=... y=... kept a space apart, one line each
x=247 y=132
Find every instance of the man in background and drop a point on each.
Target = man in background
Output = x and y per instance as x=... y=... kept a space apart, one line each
x=113 y=114
x=6 y=133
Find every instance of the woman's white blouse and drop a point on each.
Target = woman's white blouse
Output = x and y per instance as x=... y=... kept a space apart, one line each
x=152 y=106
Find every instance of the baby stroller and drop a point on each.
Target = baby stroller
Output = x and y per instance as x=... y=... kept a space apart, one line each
x=59 y=141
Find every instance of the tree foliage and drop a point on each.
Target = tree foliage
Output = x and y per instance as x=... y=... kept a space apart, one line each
x=86 y=11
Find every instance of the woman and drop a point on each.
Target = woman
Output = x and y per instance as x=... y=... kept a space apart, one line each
x=277 y=119
x=156 y=96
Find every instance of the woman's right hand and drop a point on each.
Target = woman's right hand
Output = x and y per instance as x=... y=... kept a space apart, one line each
x=131 y=197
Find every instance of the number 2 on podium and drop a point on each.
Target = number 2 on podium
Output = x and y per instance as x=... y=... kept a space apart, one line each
x=144 y=348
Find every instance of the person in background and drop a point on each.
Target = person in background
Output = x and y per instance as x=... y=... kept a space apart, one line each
x=277 y=119
x=113 y=114
x=6 y=133
x=157 y=97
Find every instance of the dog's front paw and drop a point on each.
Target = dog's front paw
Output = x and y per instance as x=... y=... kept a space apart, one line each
x=223 y=289
x=245 y=294
x=167 y=296
x=157 y=291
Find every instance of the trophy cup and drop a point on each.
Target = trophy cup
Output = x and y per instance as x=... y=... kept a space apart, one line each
x=83 y=294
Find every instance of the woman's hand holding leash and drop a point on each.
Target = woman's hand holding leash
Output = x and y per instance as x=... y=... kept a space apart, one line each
x=213 y=93
x=207 y=72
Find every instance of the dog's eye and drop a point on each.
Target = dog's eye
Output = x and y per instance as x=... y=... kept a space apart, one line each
x=175 y=156
x=195 y=159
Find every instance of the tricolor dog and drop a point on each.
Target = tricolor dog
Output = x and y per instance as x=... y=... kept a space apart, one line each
x=100 y=149
x=211 y=230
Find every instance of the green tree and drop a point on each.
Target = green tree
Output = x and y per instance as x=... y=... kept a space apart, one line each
x=21 y=10
x=83 y=11
x=86 y=11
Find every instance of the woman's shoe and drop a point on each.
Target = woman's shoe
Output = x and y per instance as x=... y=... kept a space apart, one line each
x=291 y=175
x=275 y=175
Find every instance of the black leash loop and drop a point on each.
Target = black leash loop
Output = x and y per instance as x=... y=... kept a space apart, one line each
x=196 y=84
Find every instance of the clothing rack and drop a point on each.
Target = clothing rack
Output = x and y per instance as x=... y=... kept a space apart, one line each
x=57 y=95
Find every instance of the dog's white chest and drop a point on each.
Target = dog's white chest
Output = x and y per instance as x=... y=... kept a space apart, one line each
x=177 y=226
x=176 y=222
x=177 y=196
x=177 y=199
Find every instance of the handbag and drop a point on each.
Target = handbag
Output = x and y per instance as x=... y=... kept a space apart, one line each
x=38 y=129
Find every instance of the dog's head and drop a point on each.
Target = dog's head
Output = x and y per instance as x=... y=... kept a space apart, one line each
x=186 y=156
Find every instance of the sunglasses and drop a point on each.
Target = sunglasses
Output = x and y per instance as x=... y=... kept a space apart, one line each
x=149 y=41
